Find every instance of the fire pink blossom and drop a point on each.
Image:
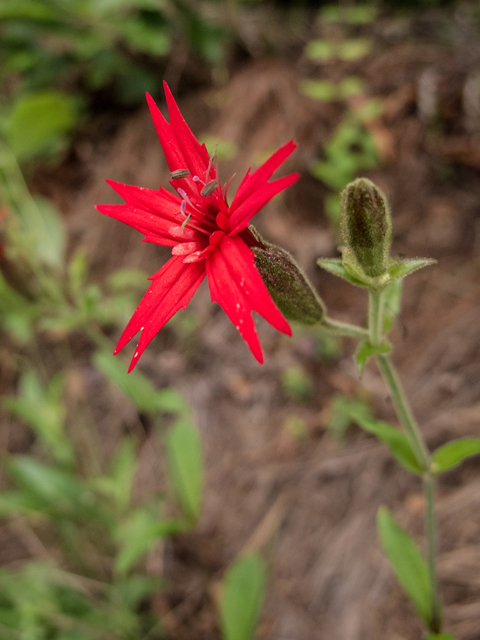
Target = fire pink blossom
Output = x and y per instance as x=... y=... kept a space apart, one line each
x=208 y=236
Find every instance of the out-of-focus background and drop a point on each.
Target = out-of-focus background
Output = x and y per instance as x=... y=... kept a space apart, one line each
x=124 y=499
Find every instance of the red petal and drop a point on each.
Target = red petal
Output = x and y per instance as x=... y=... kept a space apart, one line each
x=240 y=219
x=172 y=288
x=254 y=181
x=194 y=153
x=152 y=212
x=154 y=228
x=238 y=288
x=171 y=149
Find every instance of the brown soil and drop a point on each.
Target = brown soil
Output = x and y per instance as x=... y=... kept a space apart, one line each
x=310 y=503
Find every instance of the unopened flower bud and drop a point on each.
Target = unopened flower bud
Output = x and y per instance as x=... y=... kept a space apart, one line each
x=287 y=284
x=367 y=226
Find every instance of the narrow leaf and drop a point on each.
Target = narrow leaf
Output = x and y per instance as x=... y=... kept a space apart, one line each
x=122 y=471
x=395 y=439
x=365 y=351
x=407 y=562
x=138 y=535
x=138 y=387
x=453 y=453
x=185 y=461
x=406 y=267
x=335 y=266
x=243 y=593
x=38 y=121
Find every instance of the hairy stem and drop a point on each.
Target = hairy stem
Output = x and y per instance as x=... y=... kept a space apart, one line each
x=422 y=454
x=429 y=492
x=337 y=328
x=375 y=316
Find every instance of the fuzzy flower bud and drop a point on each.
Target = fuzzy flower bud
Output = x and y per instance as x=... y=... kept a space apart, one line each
x=367 y=226
x=288 y=285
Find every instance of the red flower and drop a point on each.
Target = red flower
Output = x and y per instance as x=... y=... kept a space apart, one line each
x=208 y=236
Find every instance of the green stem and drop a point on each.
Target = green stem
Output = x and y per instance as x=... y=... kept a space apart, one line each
x=404 y=412
x=375 y=316
x=407 y=419
x=429 y=492
x=337 y=328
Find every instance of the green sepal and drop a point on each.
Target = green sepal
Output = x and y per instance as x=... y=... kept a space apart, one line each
x=395 y=440
x=453 y=453
x=336 y=266
x=365 y=351
x=407 y=562
x=348 y=269
x=441 y=636
x=286 y=282
x=402 y=268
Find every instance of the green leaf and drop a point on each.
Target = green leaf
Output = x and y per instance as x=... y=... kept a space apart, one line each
x=138 y=387
x=243 y=593
x=49 y=232
x=145 y=37
x=395 y=439
x=320 y=90
x=453 y=453
x=297 y=384
x=343 y=410
x=138 y=534
x=43 y=410
x=441 y=636
x=63 y=495
x=392 y=297
x=38 y=121
x=361 y=14
x=354 y=49
x=365 y=351
x=320 y=49
x=336 y=266
x=407 y=562
x=127 y=279
x=185 y=461
x=122 y=471
x=351 y=86
x=77 y=271
x=135 y=589
x=404 y=268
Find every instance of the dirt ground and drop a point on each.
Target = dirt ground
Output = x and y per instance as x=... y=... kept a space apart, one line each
x=310 y=503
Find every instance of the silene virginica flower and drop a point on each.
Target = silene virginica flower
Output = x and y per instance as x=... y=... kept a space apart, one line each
x=208 y=236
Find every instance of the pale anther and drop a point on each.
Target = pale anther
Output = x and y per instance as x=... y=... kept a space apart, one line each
x=209 y=188
x=179 y=173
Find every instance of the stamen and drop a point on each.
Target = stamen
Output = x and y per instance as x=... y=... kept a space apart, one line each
x=180 y=173
x=212 y=158
x=183 y=207
x=195 y=178
x=209 y=188
x=186 y=221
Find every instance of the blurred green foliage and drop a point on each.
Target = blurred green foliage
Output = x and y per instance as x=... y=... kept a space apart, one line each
x=345 y=411
x=352 y=147
x=242 y=597
x=87 y=586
